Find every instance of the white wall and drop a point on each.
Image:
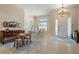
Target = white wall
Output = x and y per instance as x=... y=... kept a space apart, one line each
x=78 y=17
x=28 y=21
x=11 y=13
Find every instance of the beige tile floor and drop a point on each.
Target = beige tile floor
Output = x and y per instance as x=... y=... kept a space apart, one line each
x=45 y=44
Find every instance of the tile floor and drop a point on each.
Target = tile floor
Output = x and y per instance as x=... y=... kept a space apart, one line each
x=44 y=45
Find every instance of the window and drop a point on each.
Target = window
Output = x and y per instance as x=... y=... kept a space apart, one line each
x=69 y=29
x=56 y=26
x=43 y=24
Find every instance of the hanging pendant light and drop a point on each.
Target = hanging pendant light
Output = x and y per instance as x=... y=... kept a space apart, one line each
x=63 y=11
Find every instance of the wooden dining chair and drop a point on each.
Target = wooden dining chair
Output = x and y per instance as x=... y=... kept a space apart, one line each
x=28 y=36
x=18 y=42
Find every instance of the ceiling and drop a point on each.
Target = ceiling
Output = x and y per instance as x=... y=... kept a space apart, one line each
x=40 y=9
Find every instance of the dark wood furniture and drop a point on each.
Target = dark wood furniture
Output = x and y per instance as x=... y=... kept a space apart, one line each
x=22 y=39
x=19 y=41
x=8 y=36
x=28 y=36
x=76 y=37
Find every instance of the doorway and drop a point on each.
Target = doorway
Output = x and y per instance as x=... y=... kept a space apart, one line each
x=63 y=26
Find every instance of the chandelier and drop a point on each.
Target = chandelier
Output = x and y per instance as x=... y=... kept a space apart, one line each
x=63 y=11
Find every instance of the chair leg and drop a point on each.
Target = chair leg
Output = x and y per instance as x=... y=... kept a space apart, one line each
x=17 y=45
x=26 y=42
x=14 y=44
x=3 y=41
x=20 y=44
x=30 y=38
x=23 y=43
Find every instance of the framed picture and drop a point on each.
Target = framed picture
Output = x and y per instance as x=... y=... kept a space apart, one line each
x=9 y=24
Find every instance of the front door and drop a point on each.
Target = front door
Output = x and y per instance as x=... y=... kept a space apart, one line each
x=62 y=26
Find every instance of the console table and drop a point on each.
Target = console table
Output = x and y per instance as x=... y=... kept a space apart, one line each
x=9 y=35
x=76 y=37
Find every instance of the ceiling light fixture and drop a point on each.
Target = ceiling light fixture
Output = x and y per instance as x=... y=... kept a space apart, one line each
x=63 y=11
